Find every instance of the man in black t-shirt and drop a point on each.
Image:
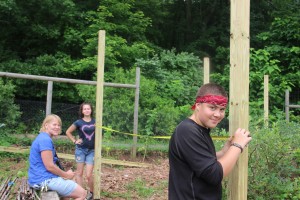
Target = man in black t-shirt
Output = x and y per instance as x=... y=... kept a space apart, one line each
x=196 y=169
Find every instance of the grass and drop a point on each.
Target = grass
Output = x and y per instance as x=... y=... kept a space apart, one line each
x=13 y=164
x=16 y=164
x=138 y=189
x=116 y=195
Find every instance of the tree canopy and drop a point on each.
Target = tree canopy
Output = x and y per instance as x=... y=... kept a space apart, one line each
x=166 y=39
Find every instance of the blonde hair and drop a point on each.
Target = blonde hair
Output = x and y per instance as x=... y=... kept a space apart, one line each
x=48 y=119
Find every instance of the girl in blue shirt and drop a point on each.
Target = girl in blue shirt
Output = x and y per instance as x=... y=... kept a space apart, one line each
x=43 y=172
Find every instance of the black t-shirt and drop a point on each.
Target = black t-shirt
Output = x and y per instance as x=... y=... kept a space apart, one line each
x=195 y=173
x=86 y=131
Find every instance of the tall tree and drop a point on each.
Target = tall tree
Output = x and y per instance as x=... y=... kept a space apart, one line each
x=125 y=33
x=34 y=28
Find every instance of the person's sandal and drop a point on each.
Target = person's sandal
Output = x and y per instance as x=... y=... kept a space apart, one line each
x=89 y=196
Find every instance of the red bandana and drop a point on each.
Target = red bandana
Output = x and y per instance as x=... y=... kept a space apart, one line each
x=211 y=99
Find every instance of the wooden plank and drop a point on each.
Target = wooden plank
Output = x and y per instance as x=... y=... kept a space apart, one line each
x=239 y=90
x=71 y=157
x=49 y=195
x=109 y=161
x=14 y=149
x=63 y=80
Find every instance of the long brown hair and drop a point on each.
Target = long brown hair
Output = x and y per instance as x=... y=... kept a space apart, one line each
x=81 y=107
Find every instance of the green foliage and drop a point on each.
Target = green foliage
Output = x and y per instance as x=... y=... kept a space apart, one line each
x=10 y=163
x=34 y=28
x=6 y=139
x=161 y=112
x=262 y=63
x=45 y=65
x=273 y=162
x=141 y=188
x=9 y=111
x=174 y=72
x=282 y=39
x=125 y=33
x=60 y=38
x=278 y=57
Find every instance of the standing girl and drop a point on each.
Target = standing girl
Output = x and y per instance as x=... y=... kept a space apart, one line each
x=85 y=145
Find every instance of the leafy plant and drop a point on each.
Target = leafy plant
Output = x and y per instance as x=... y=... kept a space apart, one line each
x=141 y=188
x=9 y=111
x=272 y=166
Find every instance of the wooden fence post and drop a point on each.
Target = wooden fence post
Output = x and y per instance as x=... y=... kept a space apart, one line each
x=99 y=110
x=136 y=111
x=266 y=100
x=206 y=70
x=49 y=97
x=239 y=91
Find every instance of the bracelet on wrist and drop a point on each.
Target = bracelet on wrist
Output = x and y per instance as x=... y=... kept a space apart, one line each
x=238 y=146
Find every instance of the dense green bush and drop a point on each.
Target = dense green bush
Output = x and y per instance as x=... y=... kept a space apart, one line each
x=164 y=97
x=9 y=112
x=274 y=162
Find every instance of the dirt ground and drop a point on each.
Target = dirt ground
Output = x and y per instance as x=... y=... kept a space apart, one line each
x=115 y=179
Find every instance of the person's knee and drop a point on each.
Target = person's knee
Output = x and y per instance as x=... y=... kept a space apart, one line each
x=80 y=193
x=89 y=176
x=79 y=173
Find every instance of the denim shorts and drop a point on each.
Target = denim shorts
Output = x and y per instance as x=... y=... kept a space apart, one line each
x=63 y=187
x=84 y=155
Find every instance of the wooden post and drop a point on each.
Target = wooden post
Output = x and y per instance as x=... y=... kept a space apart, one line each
x=49 y=195
x=99 y=109
x=206 y=70
x=266 y=100
x=287 y=103
x=49 y=97
x=136 y=111
x=239 y=91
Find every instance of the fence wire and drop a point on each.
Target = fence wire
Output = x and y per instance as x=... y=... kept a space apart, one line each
x=34 y=112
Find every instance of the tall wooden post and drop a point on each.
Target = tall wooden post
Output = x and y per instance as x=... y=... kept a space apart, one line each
x=49 y=97
x=239 y=91
x=266 y=100
x=287 y=103
x=136 y=111
x=99 y=109
x=206 y=70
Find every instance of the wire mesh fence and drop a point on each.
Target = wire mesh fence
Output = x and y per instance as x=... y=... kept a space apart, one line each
x=295 y=97
x=292 y=105
x=34 y=112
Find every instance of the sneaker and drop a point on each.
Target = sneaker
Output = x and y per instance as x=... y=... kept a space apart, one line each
x=89 y=196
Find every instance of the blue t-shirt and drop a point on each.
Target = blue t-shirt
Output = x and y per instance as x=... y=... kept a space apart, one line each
x=37 y=172
x=86 y=131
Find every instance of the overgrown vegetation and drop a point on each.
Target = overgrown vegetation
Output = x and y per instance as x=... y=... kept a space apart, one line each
x=274 y=161
x=167 y=41
x=168 y=48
